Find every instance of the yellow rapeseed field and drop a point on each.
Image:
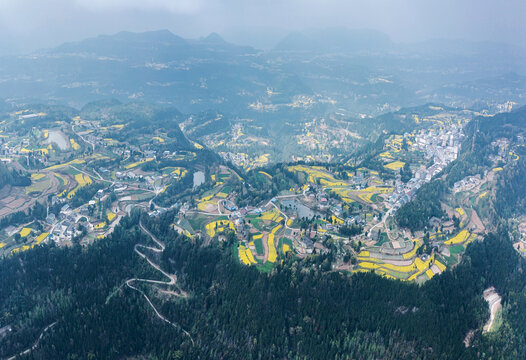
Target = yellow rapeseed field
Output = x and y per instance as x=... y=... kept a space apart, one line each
x=205 y=198
x=135 y=164
x=243 y=255
x=364 y=253
x=41 y=237
x=74 y=144
x=336 y=221
x=25 y=232
x=273 y=215
x=179 y=171
x=82 y=180
x=266 y=174
x=37 y=176
x=100 y=225
x=64 y=179
x=22 y=248
x=412 y=253
x=250 y=256
x=110 y=215
x=459 y=238
x=220 y=225
x=441 y=266
x=430 y=273
x=203 y=204
x=395 y=165
x=315 y=173
x=470 y=239
x=366 y=197
x=272 y=253
x=72 y=162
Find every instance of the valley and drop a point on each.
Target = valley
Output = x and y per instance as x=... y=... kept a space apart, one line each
x=330 y=197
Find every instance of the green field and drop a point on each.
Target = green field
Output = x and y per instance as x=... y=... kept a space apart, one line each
x=457 y=249
x=266 y=267
x=259 y=246
x=382 y=239
x=38 y=186
x=144 y=196
x=376 y=198
x=185 y=225
x=258 y=224
x=282 y=241
x=70 y=171
x=451 y=260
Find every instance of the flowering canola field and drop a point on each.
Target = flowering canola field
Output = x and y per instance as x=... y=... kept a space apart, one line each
x=272 y=253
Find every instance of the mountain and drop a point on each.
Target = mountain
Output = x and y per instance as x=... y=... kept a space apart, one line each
x=161 y=45
x=361 y=71
x=154 y=66
x=214 y=38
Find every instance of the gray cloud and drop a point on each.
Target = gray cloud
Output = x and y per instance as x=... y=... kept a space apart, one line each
x=30 y=24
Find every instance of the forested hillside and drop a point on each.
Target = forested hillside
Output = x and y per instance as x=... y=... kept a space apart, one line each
x=237 y=312
x=12 y=177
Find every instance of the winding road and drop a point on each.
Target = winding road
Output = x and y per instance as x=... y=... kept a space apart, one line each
x=82 y=137
x=172 y=279
x=35 y=345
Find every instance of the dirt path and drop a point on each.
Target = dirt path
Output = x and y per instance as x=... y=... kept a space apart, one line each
x=82 y=137
x=264 y=241
x=171 y=282
x=475 y=220
x=100 y=178
x=284 y=215
x=494 y=302
x=202 y=213
x=35 y=345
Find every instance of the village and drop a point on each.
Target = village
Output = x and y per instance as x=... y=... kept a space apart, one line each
x=350 y=213
x=313 y=218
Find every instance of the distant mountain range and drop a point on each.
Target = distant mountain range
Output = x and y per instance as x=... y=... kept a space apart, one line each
x=359 y=70
x=157 y=46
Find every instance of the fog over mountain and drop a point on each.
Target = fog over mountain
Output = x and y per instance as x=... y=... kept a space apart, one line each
x=26 y=25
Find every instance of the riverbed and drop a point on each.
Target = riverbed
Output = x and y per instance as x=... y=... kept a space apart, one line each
x=302 y=210
x=199 y=178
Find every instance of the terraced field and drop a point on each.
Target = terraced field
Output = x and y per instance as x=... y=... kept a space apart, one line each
x=82 y=180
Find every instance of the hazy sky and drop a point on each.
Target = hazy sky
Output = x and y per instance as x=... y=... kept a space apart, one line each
x=30 y=24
